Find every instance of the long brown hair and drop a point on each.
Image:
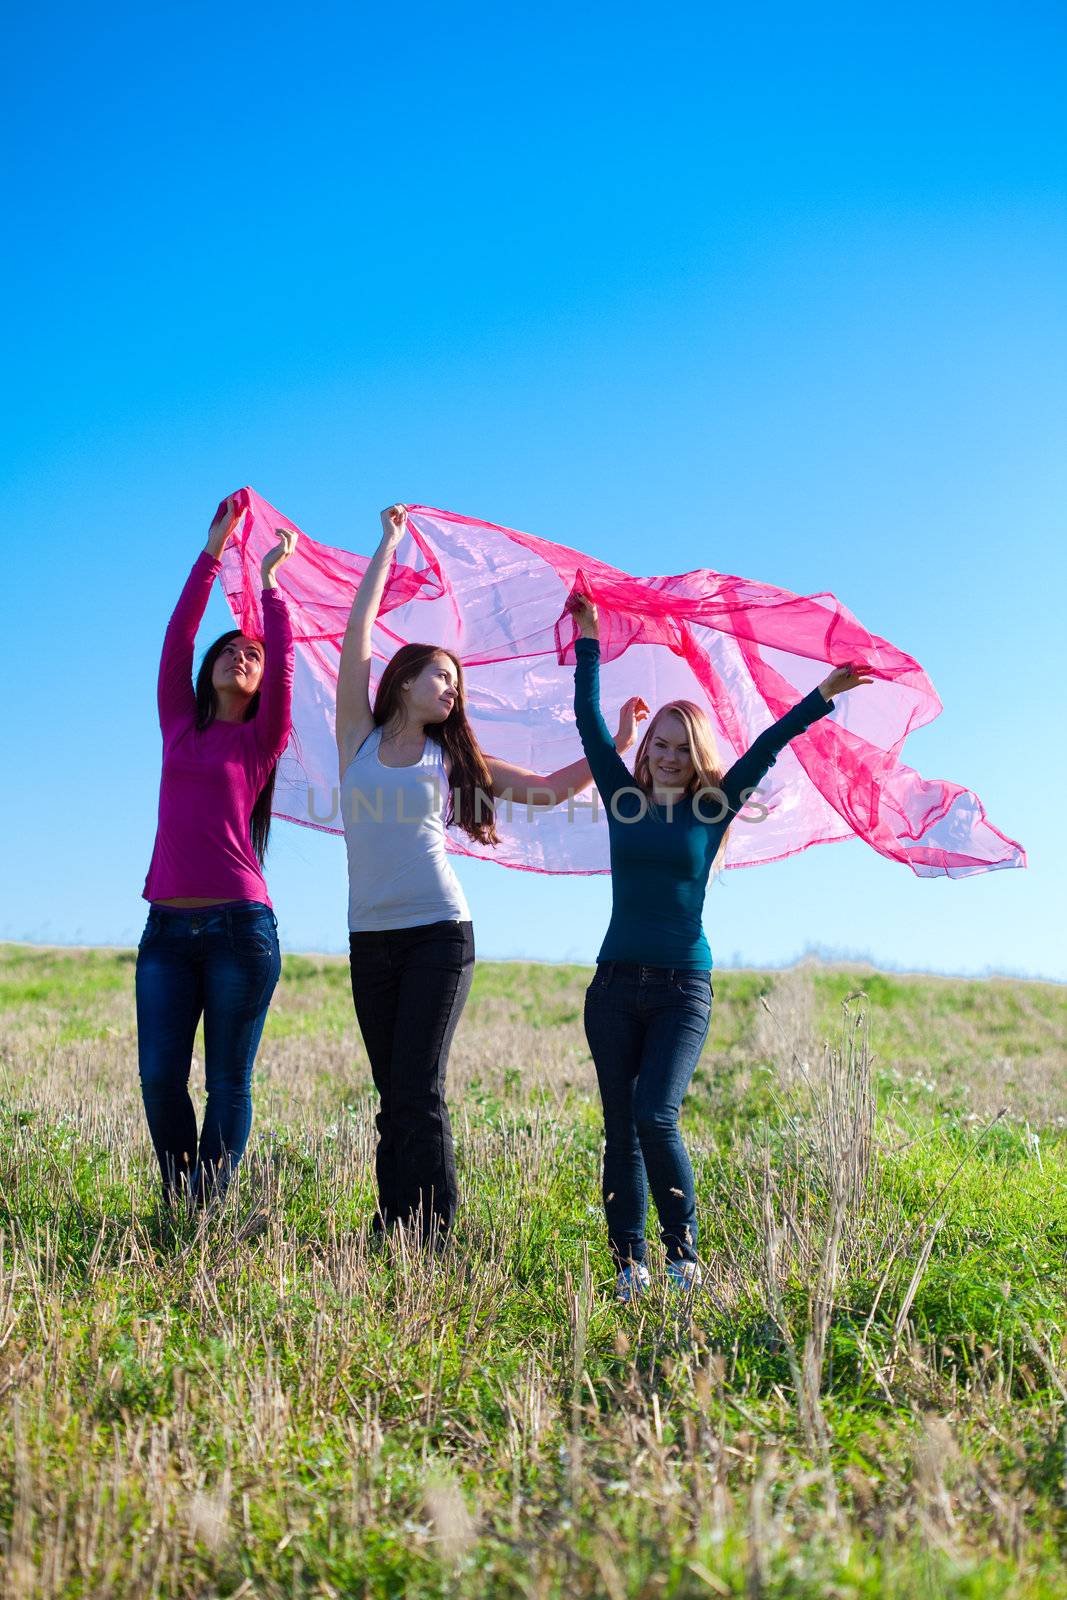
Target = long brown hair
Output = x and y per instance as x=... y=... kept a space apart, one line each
x=708 y=769
x=207 y=705
x=470 y=779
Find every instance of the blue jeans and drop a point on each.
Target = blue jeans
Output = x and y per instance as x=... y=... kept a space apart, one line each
x=646 y=1027
x=222 y=961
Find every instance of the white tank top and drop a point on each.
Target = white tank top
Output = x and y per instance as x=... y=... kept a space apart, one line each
x=399 y=874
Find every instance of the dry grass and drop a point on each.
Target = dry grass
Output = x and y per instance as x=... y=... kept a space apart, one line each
x=869 y=1398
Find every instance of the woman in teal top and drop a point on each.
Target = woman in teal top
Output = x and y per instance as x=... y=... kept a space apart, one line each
x=648 y=1008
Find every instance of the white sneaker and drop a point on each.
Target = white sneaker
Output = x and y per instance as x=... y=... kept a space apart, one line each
x=631 y=1281
x=684 y=1276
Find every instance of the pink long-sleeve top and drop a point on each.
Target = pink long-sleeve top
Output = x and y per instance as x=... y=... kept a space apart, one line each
x=212 y=778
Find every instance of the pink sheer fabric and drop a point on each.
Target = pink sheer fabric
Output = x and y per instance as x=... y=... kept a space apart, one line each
x=743 y=650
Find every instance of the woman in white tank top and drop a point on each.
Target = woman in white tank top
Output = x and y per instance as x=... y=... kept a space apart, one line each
x=411 y=766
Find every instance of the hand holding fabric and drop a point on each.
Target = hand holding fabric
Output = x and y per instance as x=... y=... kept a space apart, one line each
x=842 y=679
x=226 y=521
x=634 y=710
x=274 y=558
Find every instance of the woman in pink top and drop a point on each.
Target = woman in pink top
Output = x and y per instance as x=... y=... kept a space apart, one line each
x=210 y=945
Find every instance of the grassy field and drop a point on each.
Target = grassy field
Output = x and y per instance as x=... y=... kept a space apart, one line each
x=868 y=1398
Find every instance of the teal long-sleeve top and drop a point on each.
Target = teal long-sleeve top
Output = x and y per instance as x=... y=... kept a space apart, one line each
x=660 y=863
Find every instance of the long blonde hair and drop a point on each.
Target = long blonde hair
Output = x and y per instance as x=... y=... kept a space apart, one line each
x=708 y=768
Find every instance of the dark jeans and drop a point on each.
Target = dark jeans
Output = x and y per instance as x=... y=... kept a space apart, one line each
x=646 y=1027
x=222 y=961
x=409 y=986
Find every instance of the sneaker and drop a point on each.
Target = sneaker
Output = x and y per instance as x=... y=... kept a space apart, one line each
x=684 y=1276
x=631 y=1281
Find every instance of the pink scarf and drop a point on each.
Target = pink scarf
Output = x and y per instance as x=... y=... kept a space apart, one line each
x=743 y=650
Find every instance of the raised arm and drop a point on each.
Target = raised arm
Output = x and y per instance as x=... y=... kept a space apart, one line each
x=354 y=717
x=553 y=788
x=273 y=720
x=759 y=758
x=175 y=696
x=610 y=773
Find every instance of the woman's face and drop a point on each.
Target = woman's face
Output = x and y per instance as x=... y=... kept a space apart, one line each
x=432 y=695
x=238 y=666
x=670 y=759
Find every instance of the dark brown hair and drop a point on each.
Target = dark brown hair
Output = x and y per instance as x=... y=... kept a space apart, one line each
x=470 y=774
x=207 y=705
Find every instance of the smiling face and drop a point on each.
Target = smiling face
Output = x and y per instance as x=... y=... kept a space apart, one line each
x=434 y=692
x=670 y=758
x=238 y=666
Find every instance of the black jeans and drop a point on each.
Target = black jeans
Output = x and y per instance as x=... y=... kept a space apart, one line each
x=646 y=1027
x=223 y=961
x=409 y=986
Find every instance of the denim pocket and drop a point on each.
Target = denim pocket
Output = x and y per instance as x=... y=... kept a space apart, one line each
x=254 y=932
x=694 y=985
x=599 y=988
x=151 y=930
x=453 y=942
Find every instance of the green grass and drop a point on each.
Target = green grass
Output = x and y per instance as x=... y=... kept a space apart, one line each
x=870 y=1399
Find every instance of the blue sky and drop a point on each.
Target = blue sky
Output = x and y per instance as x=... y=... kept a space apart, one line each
x=781 y=292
